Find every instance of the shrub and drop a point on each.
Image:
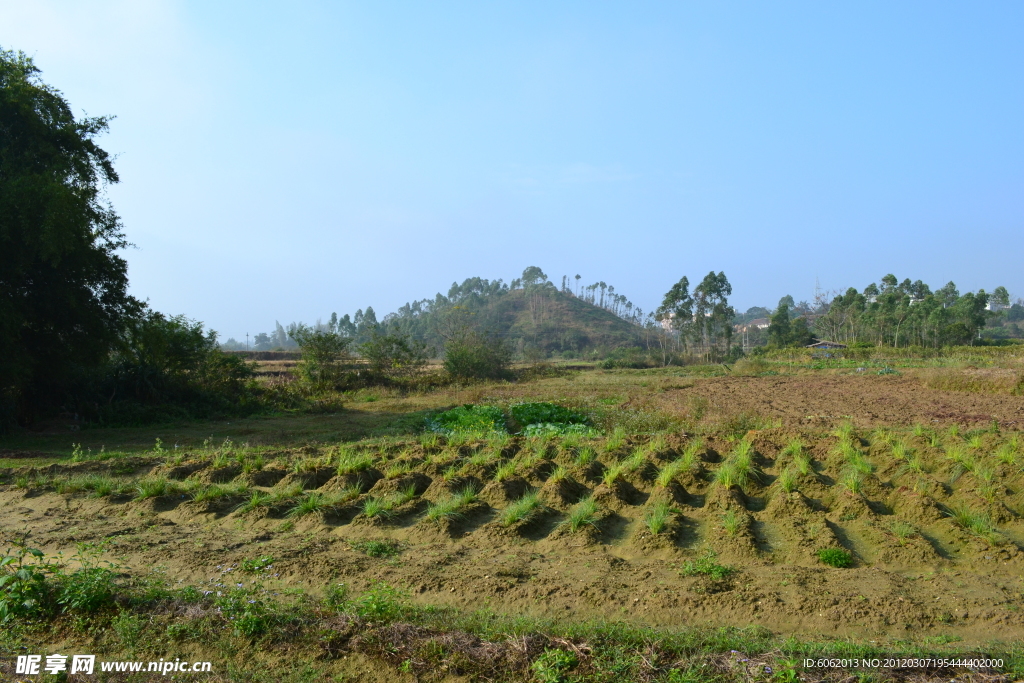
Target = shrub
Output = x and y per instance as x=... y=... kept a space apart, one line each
x=87 y=589
x=474 y=355
x=835 y=557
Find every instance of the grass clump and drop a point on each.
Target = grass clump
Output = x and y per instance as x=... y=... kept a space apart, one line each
x=835 y=557
x=584 y=513
x=658 y=516
x=505 y=471
x=615 y=441
x=585 y=456
x=707 y=565
x=156 y=486
x=351 y=462
x=383 y=548
x=732 y=522
x=520 y=510
x=451 y=506
x=902 y=530
x=976 y=522
x=787 y=479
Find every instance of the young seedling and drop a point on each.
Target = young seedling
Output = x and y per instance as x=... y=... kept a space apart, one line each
x=658 y=516
x=450 y=506
x=505 y=471
x=584 y=513
x=732 y=522
x=521 y=510
x=835 y=557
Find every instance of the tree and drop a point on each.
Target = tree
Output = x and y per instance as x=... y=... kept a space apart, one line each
x=1000 y=296
x=63 y=288
x=779 y=330
x=712 y=314
x=786 y=301
x=324 y=354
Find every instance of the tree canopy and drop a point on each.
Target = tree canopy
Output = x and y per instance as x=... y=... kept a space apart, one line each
x=63 y=287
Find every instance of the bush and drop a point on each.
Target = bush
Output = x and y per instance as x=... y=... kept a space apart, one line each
x=835 y=557
x=324 y=356
x=23 y=584
x=392 y=356
x=474 y=355
x=552 y=666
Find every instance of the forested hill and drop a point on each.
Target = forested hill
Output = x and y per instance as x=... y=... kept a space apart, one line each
x=534 y=315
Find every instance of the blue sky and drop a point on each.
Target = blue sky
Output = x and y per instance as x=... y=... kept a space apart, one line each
x=286 y=160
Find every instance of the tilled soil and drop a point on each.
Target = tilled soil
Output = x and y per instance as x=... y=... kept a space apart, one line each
x=869 y=400
x=937 y=581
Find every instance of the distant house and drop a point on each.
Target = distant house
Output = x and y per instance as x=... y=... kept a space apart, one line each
x=995 y=308
x=756 y=324
x=826 y=345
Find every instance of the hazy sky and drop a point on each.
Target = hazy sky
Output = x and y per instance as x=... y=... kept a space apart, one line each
x=286 y=160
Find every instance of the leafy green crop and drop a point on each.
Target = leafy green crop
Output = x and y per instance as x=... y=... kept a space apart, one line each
x=545 y=413
x=468 y=418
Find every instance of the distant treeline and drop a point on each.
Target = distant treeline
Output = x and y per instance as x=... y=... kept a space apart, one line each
x=531 y=314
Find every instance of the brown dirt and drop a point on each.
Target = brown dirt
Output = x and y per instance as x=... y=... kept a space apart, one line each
x=938 y=581
x=871 y=400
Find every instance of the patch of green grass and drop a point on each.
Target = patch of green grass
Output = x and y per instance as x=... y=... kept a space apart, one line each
x=900 y=449
x=852 y=480
x=383 y=548
x=351 y=462
x=835 y=557
x=153 y=487
x=520 y=510
x=559 y=474
x=610 y=475
x=584 y=513
x=398 y=469
x=902 y=530
x=707 y=565
x=658 y=516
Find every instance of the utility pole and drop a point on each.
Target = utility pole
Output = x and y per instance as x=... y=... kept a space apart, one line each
x=246 y=342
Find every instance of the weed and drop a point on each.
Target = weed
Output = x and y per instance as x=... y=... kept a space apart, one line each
x=377 y=548
x=802 y=463
x=257 y=565
x=707 y=565
x=919 y=430
x=553 y=666
x=974 y=441
x=520 y=510
x=835 y=557
x=430 y=440
x=670 y=471
x=1006 y=454
x=584 y=513
x=658 y=516
x=253 y=464
x=658 y=445
x=728 y=476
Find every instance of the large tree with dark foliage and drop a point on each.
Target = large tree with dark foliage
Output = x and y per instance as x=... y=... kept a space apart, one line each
x=63 y=286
